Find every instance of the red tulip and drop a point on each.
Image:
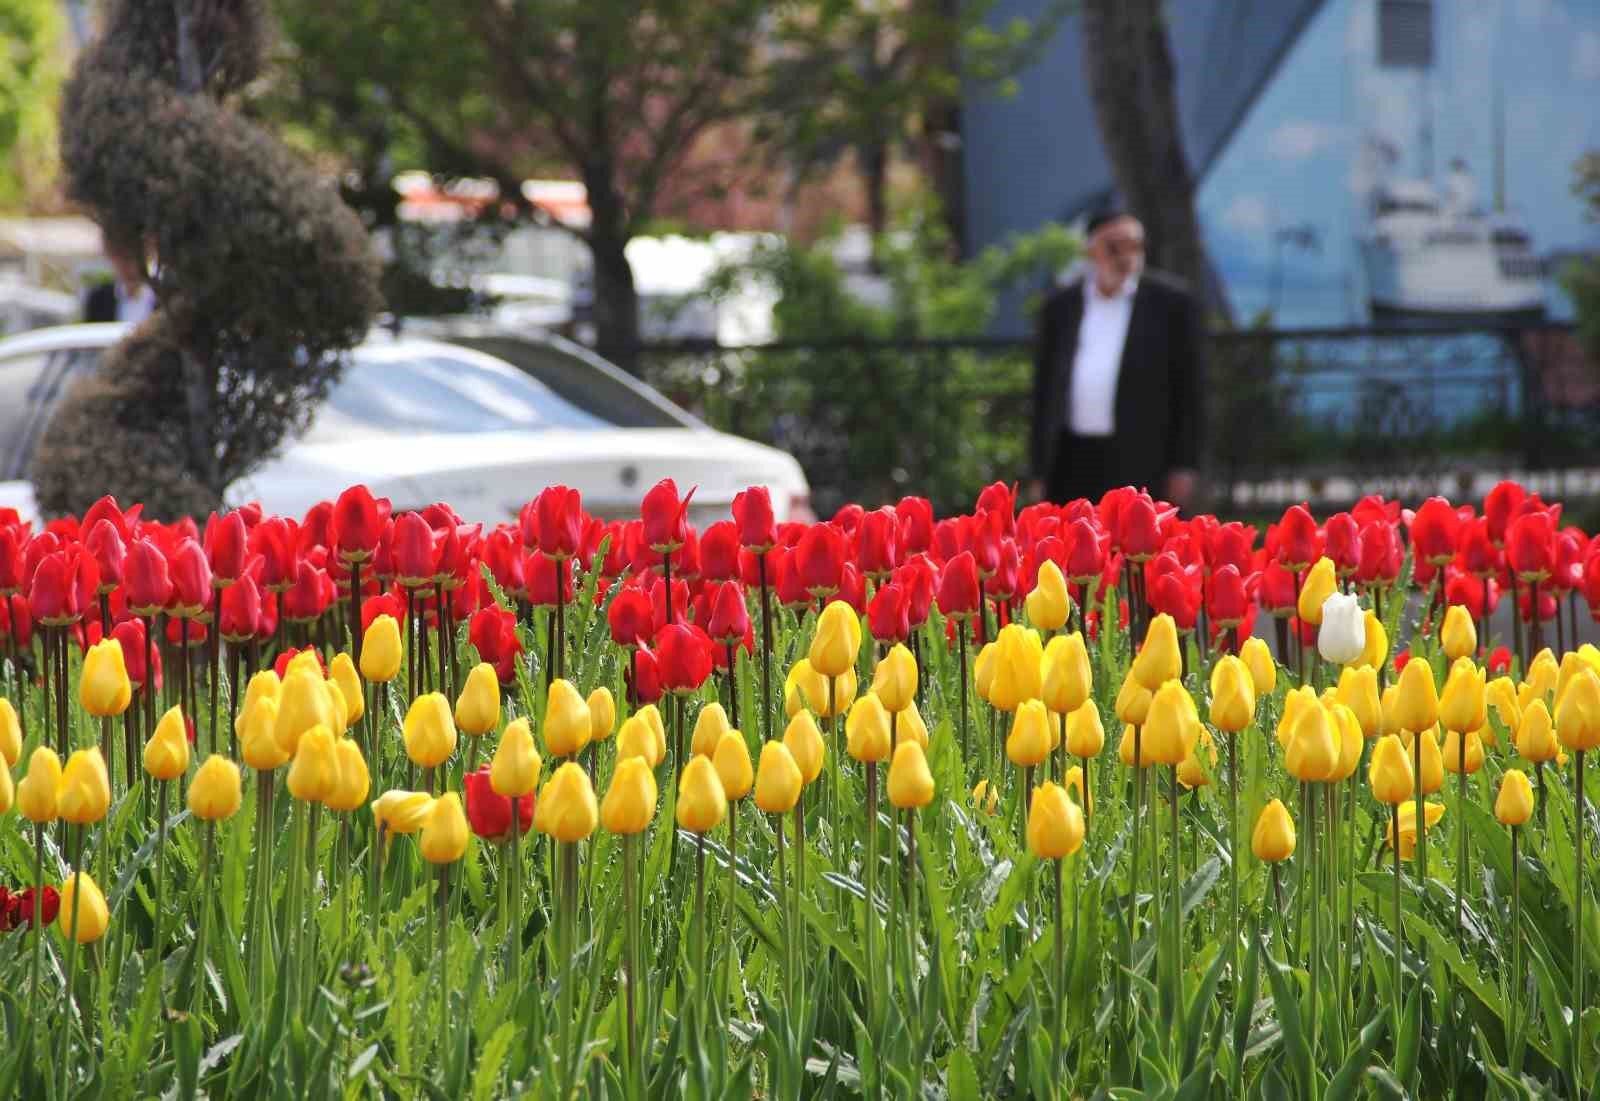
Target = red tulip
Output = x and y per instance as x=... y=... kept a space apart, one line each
x=1433 y=531
x=1228 y=598
x=130 y=636
x=416 y=550
x=311 y=595
x=1138 y=534
x=1500 y=507
x=646 y=688
x=357 y=523
x=492 y=631
x=984 y=531
x=916 y=525
x=1278 y=591
x=489 y=814
x=1530 y=546
x=1002 y=583
x=1001 y=500
x=44 y=912
x=1547 y=604
x=1499 y=662
x=1297 y=540
x=613 y=536
x=191 y=581
x=919 y=577
x=730 y=615
x=384 y=603
x=959 y=596
x=719 y=552
x=786 y=579
x=752 y=517
x=819 y=560
x=1465 y=590
x=1342 y=543
x=630 y=617
x=227 y=547
x=1233 y=544
x=1476 y=552
x=1085 y=552
x=106 y=508
x=853 y=588
x=665 y=517
x=503 y=556
x=1590 y=583
x=52 y=596
x=1381 y=554
x=241 y=610
x=277 y=541
x=1177 y=594
x=877 y=543
x=1568 y=571
x=686 y=559
x=267 y=625
x=949 y=538
x=561 y=521
x=544 y=575
x=888 y=614
x=658 y=601
x=12 y=541
x=683 y=657
x=185 y=632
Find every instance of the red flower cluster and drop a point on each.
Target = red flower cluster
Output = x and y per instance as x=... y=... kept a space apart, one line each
x=17 y=910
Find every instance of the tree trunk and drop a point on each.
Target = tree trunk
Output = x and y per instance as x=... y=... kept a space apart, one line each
x=942 y=138
x=1131 y=81
x=616 y=302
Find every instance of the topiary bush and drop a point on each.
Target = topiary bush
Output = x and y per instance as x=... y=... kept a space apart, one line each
x=263 y=277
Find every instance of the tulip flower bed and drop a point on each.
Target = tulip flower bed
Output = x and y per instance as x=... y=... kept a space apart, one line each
x=365 y=804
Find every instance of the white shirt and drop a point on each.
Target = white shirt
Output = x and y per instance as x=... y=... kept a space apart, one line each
x=1092 y=400
x=137 y=306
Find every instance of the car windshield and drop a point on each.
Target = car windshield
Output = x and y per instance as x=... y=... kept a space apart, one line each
x=438 y=392
x=585 y=385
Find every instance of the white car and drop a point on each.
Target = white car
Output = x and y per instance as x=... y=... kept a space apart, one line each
x=477 y=417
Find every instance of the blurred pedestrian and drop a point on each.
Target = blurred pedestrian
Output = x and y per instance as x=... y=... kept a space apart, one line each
x=1118 y=376
x=128 y=296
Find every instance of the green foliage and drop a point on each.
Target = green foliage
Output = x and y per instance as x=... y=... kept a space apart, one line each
x=30 y=77
x=1582 y=279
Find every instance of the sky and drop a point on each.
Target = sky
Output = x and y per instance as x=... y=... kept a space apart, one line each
x=1301 y=157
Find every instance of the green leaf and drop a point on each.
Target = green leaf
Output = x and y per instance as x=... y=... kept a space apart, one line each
x=1296 y=1050
x=1348 y=1078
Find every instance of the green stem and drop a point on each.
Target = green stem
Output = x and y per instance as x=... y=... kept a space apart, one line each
x=630 y=973
x=1316 y=934
x=1060 y=985
x=38 y=921
x=444 y=953
x=197 y=995
x=1578 y=830
x=569 y=947
x=1517 y=986
x=1461 y=835
x=869 y=912
x=514 y=935
x=1173 y=889
x=1233 y=848
x=1138 y=809
x=700 y=933
x=161 y=863
x=72 y=958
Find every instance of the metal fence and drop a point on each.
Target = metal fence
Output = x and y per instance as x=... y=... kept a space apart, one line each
x=1321 y=415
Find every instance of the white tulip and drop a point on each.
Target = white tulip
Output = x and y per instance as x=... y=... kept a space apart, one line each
x=1343 y=635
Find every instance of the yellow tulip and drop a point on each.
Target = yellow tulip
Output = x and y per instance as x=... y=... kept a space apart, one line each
x=343 y=673
x=81 y=893
x=1408 y=826
x=1160 y=659
x=215 y=793
x=1263 y=669
x=84 y=794
x=1432 y=761
x=702 y=804
x=778 y=779
x=302 y=704
x=814 y=690
x=166 y=754
x=910 y=782
x=354 y=780
x=1055 y=823
x=402 y=812
x=10 y=733
x=1294 y=704
x=478 y=707
x=8 y=790
x=264 y=685
x=566 y=808
x=732 y=762
x=1133 y=701
x=1389 y=772
x=314 y=773
x=103 y=687
x=445 y=833
x=36 y=792
x=382 y=650
x=630 y=801
x=258 y=740
x=894 y=681
x=1376 y=650
x=1320 y=583
x=1172 y=726
x=983 y=670
x=602 y=714
x=985 y=797
x=430 y=730
x=638 y=738
x=1028 y=744
x=1464 y=703
x=1514 y=805
x=1502 y=696
x=1351 y=739
x=804 y=742
x=306 y=661
x=866 y=730
x=1312 y=755
x=1233 y=695
x=514 y=772
x=1192 y=772
x=1018 y=661
x=1358 y=690
x=1125 y=748
x=909 y=726
x=1049 y=603
x=1067 y=679
x=1389 y=711
x=1457 y=634
x=837 y=640
x=1416 y=701
x=336 y=708
x=1578 y=712
x=794 y=698
x=567 y=725
x=1085 y=736
x=1273 y=838
x=1073 y=782
x=1536 y=734
x=1571 y=665
x=709 y=727
x=1452 y=752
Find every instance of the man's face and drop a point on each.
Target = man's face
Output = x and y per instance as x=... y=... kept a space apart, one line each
x=1117 y=252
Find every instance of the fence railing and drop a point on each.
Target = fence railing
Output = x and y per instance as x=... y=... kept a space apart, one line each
x=1323 y=414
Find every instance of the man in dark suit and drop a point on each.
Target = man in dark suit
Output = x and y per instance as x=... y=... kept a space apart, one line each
x=1118 y=377
x=127 y=296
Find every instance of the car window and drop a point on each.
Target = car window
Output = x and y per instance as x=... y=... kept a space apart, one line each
x=581 y=383
x=437 y=392
x=30 y=386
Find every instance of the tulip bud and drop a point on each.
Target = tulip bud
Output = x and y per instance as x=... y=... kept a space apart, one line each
x=566 y=807
x=709 y=727
x=1502 y=696
x=84 y=794
x=630 y=801
x=258 y=740
x=1312 y=754
x=702 y=804
x=894 y=681
x=1457 y=634
x=1055 y=823
x=103 y=688
x=339 y=715
x=354 y=781
x=166 y=754
x=1133 y=701
x=1125 y=748
x=215 y=793
x=1342 y=635
x=1263 y=669
x=515 y=770
x=1464 y=702
x=1432 y=812
x=382 y=650
x=909 y=726
x=985 y=797
x=1536 y=734
x=1159 y=659
x=815 y=687
x=314 y=773
x=837 y=640
x=1296 y=701
x=478 y=708
x=264 y=683
x=638 y=738
x=1085 y=733
x=1432 y=761
x=910 y=782
x=1348 y=731
x=429 y=731
x=732 y=762
x=36 y=792
x=1389 y=772
x=778 y=779
x=983 y=670
x=81 y=896
x=1028 y=744
x=1376 y=649
x=342 y=672
x=10 y=733
x=445 y=833
x=1172 y=726
x=1514 y=805
x=867 y=730
x=1273 y=838
x=1192 y=771
x=1416 y=700
x=1018 y=662
x=402 y=812
x=303 y=703
x=1049 y=603
x=1320 y=583
x=1358 y=690
x=1578 y=712
x=8 y=790
x=1067 y=679
x=1233 y=695
x=1452 y=755
x=602 y=714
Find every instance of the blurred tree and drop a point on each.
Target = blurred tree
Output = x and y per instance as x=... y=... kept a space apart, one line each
x=1129 y=65
x=262 y=276
x=618 y=93
x=1582 y=279
x=30 y=38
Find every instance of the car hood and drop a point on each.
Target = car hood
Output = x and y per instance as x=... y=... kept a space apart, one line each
x=488 y=476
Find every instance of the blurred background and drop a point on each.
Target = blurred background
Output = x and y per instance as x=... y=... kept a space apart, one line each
x=827 y=226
